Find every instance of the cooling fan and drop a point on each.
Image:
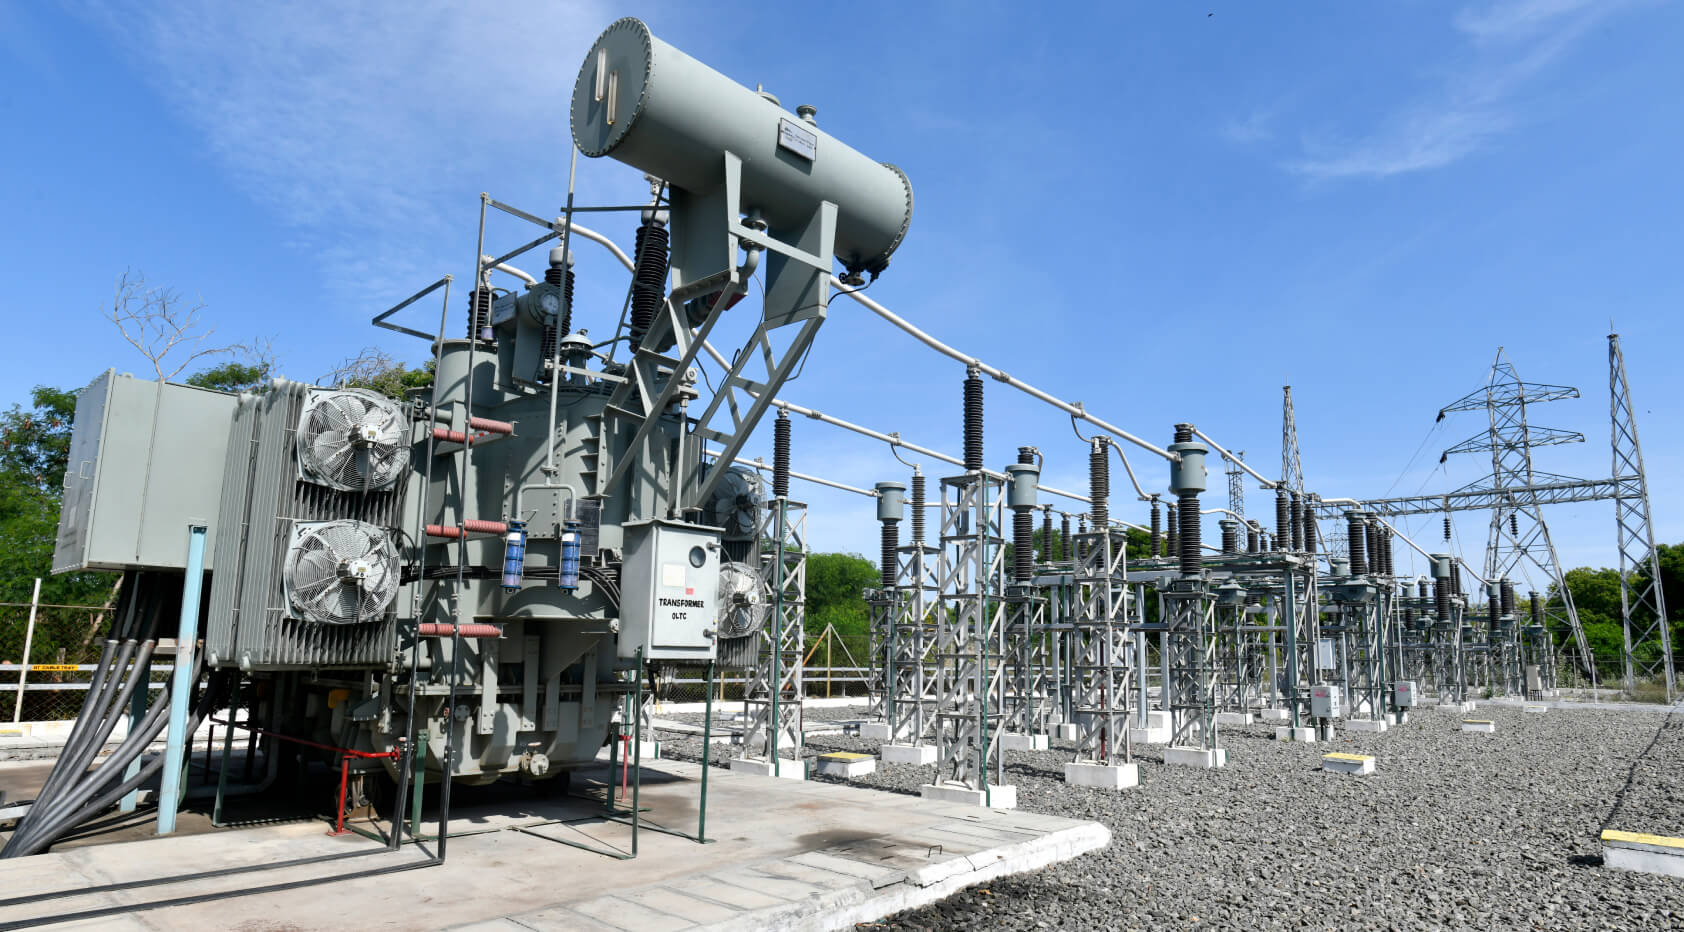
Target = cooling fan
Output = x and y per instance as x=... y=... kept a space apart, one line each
x=340 y=572
x=744 y=601
x=736 y=503
x=352 y=440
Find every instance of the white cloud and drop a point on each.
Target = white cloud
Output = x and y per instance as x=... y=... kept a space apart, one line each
x=360 y=118
x=1511 y=44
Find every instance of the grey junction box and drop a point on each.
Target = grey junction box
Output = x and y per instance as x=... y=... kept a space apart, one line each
x=145 y=463
x=669 y=590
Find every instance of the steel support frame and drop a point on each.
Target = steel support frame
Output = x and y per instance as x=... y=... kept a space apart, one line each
x=1102 y=665
x=970 y=634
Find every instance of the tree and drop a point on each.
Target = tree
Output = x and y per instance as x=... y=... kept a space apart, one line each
x=161 y=326
x=376 y=370
x=836 y=584
x=232 y=376
x=34 y=453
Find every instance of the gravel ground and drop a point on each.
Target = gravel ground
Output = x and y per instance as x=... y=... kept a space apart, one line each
x=1460 y=831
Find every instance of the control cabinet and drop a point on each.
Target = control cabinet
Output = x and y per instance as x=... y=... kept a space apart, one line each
x=1325 y=701
x=671 y=589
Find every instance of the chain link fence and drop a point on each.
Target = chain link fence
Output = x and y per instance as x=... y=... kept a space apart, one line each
x=836 y=665
x=47 y=656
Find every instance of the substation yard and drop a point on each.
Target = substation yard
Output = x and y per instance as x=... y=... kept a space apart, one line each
x=1454 y=830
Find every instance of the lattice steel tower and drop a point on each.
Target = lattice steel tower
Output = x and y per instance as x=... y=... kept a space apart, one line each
x=1648 y=643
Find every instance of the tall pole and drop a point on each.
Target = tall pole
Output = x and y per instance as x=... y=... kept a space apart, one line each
x=181 y=680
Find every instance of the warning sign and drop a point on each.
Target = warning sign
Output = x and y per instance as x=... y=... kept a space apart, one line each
x=54 y=667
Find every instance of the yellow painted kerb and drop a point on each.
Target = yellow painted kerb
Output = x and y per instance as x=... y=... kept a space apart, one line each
x=1476 y=721
x=1353 y=758
x=1659 y=841
x=844 y=755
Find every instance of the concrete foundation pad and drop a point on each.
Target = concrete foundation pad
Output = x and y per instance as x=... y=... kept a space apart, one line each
x=1369 y=725
x=1399 y=717
x=996 y=797
x=1233 y=718
x=1104 y=776
x=845 y=764
x=1479 y=726
x=1360 y=765
x=1647 y=854
x=916 y=754
x=1011 y=742
x=1456 y=706
x=1065 y=731
x=858 y=855
x=1196 y=757
x=1275 y=715
x=754 y=767
x=1300 y=735
x=1150 y=735
x=875 y=731
x=1158 y=718
x=1534 y=708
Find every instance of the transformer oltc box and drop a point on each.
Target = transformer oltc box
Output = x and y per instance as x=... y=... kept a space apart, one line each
x=1324 y=701
x=670 y=591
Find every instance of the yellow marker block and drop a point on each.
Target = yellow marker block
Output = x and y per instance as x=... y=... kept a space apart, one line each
x=1476 y=721
x=1353 y=758
x=54 y=667
x=1659 y=841
x=844 y=756
x=336 y=696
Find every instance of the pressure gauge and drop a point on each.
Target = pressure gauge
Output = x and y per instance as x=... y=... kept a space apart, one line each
x=698 y=557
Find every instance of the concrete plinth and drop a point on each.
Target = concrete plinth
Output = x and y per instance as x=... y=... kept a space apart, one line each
x=1197 y=757
x=787 y=769
x=1399 y=717
x=1233 y=718
x=1456 y=706
x=1369 y=725
x=1011 y=742
x=1360 y=765
x=1065 y=731
x=1478 y=726
x=1300 y=735
x=1536 y=708
x=997 y=797
x=1648 y=854
x=916 y=754
x=845 y=764
x=1275 y=715
x=875 y=731
x=1104 y=776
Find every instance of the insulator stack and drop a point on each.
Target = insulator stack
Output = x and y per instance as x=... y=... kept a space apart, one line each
x=1023 y=544
x=1297 y=516
x=1356 y=530
x=891 y=552
x=780 y=456
x=1447 y=528
x=1309 y=529
x=1046 y=536
x=973 y=422
x=1507 y=593
x=1099 y=483
x=1372 y=531
x=649 y=278
x=1173 y=537
x=1081 y=548
x=1283 y=515
x=1441 y=597
x=1026 y=455
x=1064 y=538
x=479 y=313
x=918 y=509
x=1537 y=609
x=1514 y=524
x=1230 y=536
x=1494 y=605
x=1157 y=529
x=1253 y=541
x=1456 y=577
x=1384 y=537
x=1189 y=533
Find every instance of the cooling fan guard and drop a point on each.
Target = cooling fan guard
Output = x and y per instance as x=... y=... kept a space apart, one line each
x=340 y=572
x=352 y=440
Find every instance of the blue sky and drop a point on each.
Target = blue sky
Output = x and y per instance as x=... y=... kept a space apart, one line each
x=1163 y=210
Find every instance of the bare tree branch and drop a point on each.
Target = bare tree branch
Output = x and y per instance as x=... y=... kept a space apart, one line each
x=157 y=323
x=360 y=369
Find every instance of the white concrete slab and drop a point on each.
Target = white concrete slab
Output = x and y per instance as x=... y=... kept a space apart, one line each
x=1016 y=742
x=918 y=755
x=1304 y=735
x=1367 y=725
x=785 y=769
x=995 y=797
x=1196 y=757
x=1103 y=776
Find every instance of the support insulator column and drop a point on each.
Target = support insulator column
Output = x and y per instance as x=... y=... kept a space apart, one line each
x=1230 y=535
x=1283 y=517
x=917 y=508
x=1506 y=589
x=1187 y=480
x=891 y=507
x=1296 y=540
x=1157 y=528
x=973 y=421
x=780 y=456
x=1022 y=478
x=1356 y=530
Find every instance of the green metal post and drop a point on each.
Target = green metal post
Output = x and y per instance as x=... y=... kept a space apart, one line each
x=418 y=781
x=227 y=744
x=637 y=747
x=707 y=746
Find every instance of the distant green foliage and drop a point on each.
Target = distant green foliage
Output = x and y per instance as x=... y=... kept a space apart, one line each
x=233 y=377
x=34 y=452
x=836 y=584
x=1596 y=594
x=396 y=380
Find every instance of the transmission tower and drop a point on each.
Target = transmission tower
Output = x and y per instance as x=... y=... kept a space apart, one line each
x=1642 y=603
x=1236 y=486
x=1292 y=470
x=1518 y=534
